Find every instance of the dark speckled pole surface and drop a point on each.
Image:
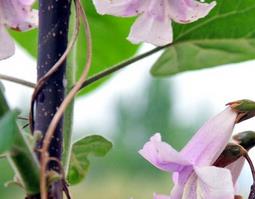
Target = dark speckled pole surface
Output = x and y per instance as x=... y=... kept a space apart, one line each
x=53 y=38
x=252 y=192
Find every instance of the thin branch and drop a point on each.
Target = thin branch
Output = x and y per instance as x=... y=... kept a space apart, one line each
x=22 y=118
x=96 y=77
x=50 y=132
x=122 y=65
x=17 y=81
x=54 y=69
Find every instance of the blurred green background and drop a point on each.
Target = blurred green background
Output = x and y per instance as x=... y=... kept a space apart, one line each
x=123 y=173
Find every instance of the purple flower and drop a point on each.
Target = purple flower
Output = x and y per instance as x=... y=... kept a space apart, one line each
x=17 y=15
x=194 y=176
x=154 y=16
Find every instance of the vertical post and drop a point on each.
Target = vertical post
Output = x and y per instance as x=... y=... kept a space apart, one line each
x=53 y=39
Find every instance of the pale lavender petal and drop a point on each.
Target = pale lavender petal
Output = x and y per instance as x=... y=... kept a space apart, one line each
x=210 y=140
x=180 y=179
x=124 y=8
x=151 y=30
x=236 y=168
x=214 y=183
x=163 y=156
x=27 y=2
x=7 y=46
x=189 y=190
x=187 y=11
x=161 y=197
x=177 y=191
x=16 y=15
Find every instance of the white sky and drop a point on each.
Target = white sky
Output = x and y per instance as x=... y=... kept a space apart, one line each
x=193 y=92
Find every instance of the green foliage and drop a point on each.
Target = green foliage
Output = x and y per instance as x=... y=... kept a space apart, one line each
x=225 y=36
x=109 y=41
x=110 y=45
x=79 y=164
x=8 y=131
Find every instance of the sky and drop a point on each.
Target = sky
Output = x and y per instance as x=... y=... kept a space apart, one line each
x=193 y=93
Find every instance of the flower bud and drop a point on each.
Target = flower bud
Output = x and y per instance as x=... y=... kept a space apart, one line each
x=246 y=139
x=231 y=153
x=245 y=109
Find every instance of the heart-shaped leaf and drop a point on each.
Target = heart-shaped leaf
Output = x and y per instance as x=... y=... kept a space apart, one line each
x=92 y=145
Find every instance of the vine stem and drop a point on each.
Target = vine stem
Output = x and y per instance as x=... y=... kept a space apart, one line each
x=110 y=70
x=122 y=65
x=17 y=80
x=41 y=82
x=50 y=131
x=247 y=157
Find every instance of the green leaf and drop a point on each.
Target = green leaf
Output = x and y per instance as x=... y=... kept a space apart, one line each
x=109 y=41
x=79 y=164
x=7 y=131
x=226 y=35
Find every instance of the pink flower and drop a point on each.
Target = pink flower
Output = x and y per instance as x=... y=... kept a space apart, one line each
x=154 y=16
x=193 y=174
x=17 y=15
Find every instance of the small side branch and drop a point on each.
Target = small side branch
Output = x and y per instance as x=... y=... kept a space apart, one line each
x=17 y=81
x=121 y=65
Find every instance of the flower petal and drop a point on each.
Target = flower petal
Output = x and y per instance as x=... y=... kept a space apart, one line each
x=17 y=15
x=152 y=30
x=214 y=183
x=210 y=140
x=124 y=8
x=162 y=155
x=236 y=168
x=7 y=46
x=27 y=2
x=187 y=11
x=189 y=190
x=161 y=197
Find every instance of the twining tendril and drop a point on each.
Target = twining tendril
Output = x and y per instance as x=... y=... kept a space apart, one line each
x=51 y=129
x=41 y=82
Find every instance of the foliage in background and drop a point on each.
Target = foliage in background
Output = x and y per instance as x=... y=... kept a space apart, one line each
x=225 y=36
x=108 y=36
x=137 y=119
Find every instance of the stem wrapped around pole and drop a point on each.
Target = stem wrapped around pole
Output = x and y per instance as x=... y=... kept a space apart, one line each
x=53 y=39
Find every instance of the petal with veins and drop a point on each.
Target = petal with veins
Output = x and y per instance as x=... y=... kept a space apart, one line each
x=236 y=168
x=187 y=11
x=210 y=139
x=154 y=16
x=214 y=183
x=189 y=190
x=17 y=15
x=162 y=155
x=151 y=30
x=124 y=8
